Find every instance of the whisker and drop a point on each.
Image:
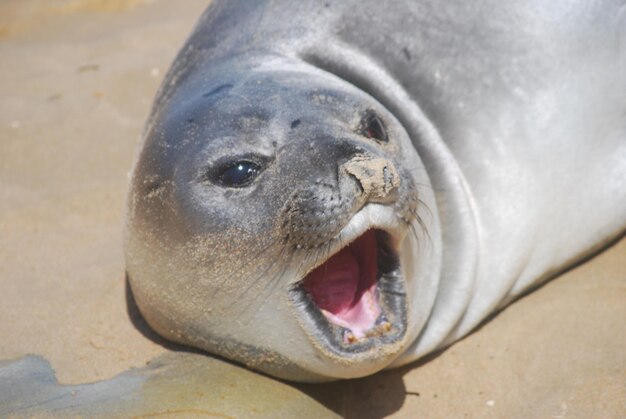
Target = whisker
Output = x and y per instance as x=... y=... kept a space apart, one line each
x=268 y=289
x=242 y=268
x=253 y=281
x=422 y=204
x=423 y=226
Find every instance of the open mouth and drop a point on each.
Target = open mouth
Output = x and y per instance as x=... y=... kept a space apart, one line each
x=357 y=296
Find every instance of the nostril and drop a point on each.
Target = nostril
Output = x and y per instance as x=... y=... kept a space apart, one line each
x=389 y=177
x=357 y=182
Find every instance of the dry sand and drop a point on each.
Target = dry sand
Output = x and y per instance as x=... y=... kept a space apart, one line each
x=77 y=81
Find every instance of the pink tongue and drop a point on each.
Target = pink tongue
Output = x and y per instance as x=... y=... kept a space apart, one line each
x=344 y=287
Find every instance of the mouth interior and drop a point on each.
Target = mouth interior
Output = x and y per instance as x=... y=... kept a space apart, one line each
x=344 y=287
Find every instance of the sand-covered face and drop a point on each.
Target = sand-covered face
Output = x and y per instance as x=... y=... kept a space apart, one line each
x=274 y=219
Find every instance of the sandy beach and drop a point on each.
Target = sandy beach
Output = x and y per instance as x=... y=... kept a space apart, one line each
x=77 y=81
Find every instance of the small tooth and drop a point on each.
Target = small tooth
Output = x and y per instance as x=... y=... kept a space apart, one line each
x=383 y=325
x=349 y=337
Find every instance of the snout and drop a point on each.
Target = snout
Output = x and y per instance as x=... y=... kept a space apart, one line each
x=377 y=178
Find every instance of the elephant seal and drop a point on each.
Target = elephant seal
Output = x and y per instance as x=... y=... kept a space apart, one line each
x=325 y=190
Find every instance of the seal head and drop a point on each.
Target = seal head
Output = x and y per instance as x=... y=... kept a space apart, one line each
x=278 y=216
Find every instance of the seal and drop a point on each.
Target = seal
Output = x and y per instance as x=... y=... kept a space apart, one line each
x=325 y=190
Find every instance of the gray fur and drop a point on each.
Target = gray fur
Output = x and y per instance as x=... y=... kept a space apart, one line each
x=506 y=126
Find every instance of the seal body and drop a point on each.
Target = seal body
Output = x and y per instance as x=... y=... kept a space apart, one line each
x=328 y=189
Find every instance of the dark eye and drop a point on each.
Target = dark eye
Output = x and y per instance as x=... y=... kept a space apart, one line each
x=238 y=174
x=373 y=127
